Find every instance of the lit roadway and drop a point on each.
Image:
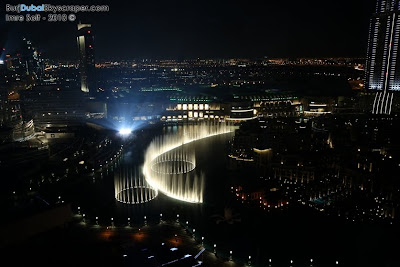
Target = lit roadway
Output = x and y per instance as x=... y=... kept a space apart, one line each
x=163 y=244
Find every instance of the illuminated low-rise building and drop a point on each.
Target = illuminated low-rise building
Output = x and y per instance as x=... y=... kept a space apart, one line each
x=194 y=109
x=52 y=106
x=242 y=111
x=313 y=108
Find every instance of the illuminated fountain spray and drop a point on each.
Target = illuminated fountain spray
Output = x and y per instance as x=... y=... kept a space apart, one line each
x=175 y=176
x=177 y=161
x=131 y=187
x=169 y=164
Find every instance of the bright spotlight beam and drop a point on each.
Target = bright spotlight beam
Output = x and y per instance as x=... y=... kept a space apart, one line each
x=125 y=131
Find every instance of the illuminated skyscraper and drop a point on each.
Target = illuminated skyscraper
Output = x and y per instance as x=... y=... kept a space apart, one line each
x=383 y=61
x=31 y=60
x=5 y=110
x=85 y=41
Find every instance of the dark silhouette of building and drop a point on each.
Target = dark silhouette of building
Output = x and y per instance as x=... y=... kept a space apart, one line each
x=53 y=106
x=31 y=60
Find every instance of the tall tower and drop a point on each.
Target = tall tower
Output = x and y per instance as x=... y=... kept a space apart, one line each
x=87 y=69
x=383 y=61
x=5 y=109
x=32 y=61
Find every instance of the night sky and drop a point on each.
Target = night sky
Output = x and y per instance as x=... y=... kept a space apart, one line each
x=191 y=29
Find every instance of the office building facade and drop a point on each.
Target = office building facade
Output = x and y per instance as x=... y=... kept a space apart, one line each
x=85 y=42
x=383 y=61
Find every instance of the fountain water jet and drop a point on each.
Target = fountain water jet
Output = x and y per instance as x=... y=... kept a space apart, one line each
x=169 y=164
x=130 y=187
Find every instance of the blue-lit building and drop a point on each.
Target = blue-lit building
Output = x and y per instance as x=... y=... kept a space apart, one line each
x=383 y=61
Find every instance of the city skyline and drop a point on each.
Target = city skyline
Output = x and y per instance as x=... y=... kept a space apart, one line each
x=183 y=30
x=200 y=134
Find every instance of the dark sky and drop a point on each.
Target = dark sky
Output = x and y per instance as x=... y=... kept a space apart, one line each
x=218 y=28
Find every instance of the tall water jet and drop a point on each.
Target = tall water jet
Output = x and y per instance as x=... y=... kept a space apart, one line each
x=130 y=187
x=169 y=165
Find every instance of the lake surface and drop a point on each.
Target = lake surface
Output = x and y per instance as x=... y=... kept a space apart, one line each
x=296 y=233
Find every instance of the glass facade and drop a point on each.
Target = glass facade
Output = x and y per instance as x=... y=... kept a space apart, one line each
x=85 y=41
x=383 y=66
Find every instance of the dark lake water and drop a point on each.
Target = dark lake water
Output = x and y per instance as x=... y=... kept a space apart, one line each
x=297 y=233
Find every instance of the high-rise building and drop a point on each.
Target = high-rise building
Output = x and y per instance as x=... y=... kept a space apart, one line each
x=85 y=41
x=32 y=61
x=5 y=109
x=26 y=63
x=383 y=60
